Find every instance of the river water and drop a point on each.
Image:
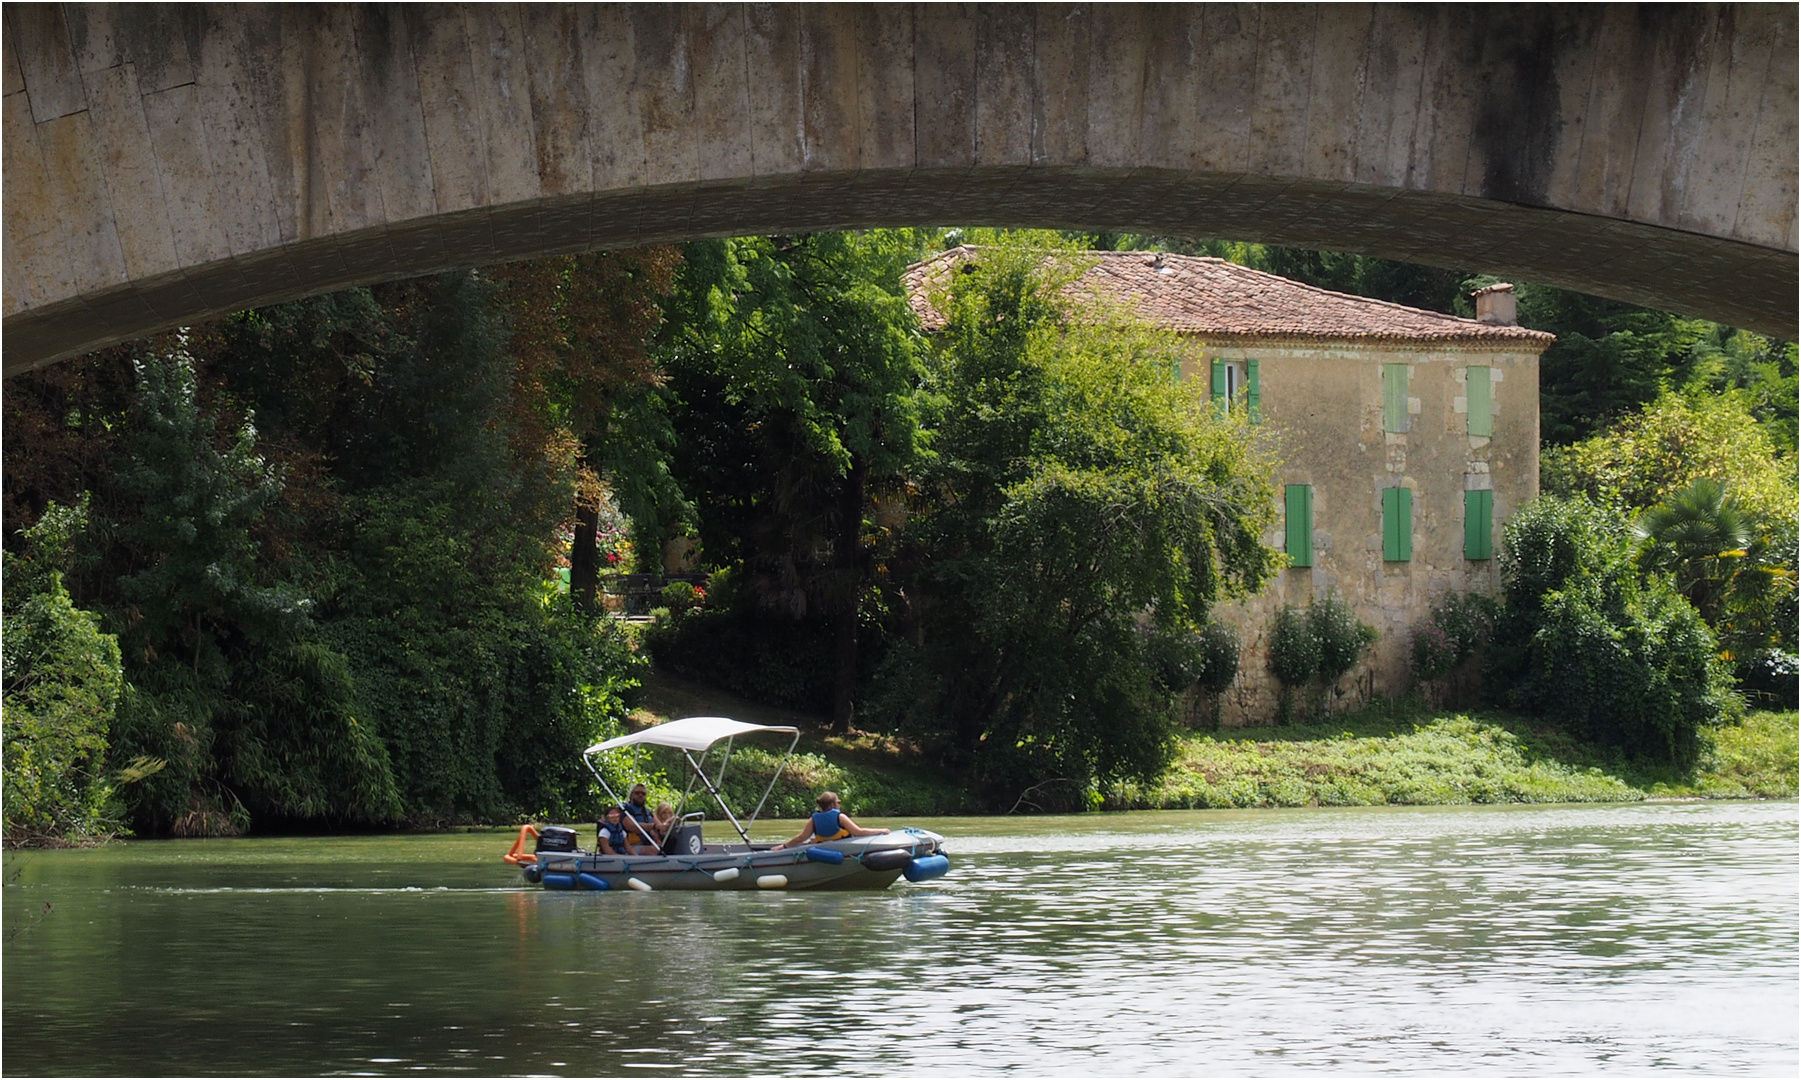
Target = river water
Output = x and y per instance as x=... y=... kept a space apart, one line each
x=1535 y=940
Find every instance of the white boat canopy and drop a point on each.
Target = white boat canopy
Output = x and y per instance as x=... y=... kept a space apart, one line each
x=693 y=733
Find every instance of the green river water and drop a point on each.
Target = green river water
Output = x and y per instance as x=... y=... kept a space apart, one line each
x=1529 y=940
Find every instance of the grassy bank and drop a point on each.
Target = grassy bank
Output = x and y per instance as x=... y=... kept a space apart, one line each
x=1406 y=754
x=1400 y=753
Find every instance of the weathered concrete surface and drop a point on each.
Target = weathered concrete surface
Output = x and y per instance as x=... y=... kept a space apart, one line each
x=166 y=163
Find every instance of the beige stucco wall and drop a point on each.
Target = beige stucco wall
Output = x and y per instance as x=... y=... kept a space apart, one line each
x=1323 y=405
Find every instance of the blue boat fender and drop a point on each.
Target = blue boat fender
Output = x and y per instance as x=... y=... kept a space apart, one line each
x=825 y=855
x=559 y=881
x=589 y=881
x=927 y=867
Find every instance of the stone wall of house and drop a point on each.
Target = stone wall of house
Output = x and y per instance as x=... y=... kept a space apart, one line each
x=1323 y=405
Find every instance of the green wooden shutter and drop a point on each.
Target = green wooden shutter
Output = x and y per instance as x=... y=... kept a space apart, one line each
x=1397 y=524
x=1477 y=390
x=1220 y=402
x=1253 y=393
x=1478 y=524
x=1394 y=397
x=1298 y=519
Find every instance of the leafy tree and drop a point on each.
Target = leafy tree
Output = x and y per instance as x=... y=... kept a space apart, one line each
x=793 y=372
x=62 y=680
x=1763 y=372
x=1585 y=638
x=1651 y=457
x=339 y=612
x=234 y=690
x=584 y=391
x=1080 y=516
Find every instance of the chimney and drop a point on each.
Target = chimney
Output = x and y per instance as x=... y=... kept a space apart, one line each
x=1495 y=305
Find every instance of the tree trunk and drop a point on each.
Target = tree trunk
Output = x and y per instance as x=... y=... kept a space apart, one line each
x=584 y=560
x=850 y=562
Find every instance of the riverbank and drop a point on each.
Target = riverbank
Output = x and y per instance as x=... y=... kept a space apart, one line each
x=1392 y=753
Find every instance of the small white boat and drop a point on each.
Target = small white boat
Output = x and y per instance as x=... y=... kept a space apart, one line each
x=688 y=861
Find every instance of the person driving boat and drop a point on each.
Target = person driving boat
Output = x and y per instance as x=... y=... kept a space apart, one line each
x=828 y=823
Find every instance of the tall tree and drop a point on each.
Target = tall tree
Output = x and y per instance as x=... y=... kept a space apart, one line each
x=793 y=375
x=1081 y=515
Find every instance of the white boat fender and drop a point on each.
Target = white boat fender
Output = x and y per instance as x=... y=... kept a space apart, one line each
x=589 y=881
x=927 y=867
x=559 y=881
x=825 y=855
x=641 y=886
x=887 y=859
x=773 y=881
x=730 y=873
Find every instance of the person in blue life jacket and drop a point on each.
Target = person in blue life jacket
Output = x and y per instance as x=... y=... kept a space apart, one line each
x=646 y=837
x=828 y=823
x=613 y=835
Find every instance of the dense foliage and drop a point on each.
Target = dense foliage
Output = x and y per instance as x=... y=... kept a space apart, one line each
x=1713 y=492
x=1586 y=637
x=62 y=678
x=322 y=533
x=1081 y=514
x=1319 y=643
x=793 y=378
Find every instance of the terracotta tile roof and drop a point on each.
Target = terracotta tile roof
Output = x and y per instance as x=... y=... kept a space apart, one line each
x=1218 y=300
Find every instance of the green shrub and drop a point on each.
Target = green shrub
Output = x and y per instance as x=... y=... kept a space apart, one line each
x=62 y=679
x=1453 y=631
x=1294 y=651
x=1320 y=642
x=1219 y=647
x=1624 y=659
x=1343 y=637
x=680 y=597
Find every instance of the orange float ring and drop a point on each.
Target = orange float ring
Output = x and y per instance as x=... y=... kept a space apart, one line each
x=518 y=854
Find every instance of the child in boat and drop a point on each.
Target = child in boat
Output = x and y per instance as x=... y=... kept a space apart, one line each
x=828 y=823
x=663 y=821
x=612 y=832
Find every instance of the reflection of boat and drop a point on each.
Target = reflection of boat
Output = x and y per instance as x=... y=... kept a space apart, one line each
x=687 y=861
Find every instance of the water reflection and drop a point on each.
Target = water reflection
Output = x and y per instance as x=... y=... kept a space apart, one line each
x=1503 y=940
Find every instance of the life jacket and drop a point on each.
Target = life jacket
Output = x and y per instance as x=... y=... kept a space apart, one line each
x=615 y=835
x=640 y=814
x=826 y=825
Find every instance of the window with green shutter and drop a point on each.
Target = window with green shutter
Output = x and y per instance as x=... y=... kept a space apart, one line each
x=1478 y=524
x=1397 y=524
x=1298 y=519
x=1222 y=399
x=1477 y=391
x=1253 y=393
x=1394 y=397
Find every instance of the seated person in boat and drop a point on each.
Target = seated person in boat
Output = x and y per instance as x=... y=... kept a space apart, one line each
x=640 y=822
x=663 y=821
x=828 y=823
x=617 y=837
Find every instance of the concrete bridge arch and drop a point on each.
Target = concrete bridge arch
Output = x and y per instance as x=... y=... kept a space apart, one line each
x=167 y=163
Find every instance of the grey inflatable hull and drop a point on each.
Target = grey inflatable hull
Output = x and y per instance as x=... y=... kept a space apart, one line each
x=867 y=862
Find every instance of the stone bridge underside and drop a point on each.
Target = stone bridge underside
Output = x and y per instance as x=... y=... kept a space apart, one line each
x=167 y=163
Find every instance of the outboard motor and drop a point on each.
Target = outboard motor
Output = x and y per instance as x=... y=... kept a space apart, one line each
x=556 y=838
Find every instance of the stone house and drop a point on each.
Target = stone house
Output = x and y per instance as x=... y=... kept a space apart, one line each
x=1407 y=439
